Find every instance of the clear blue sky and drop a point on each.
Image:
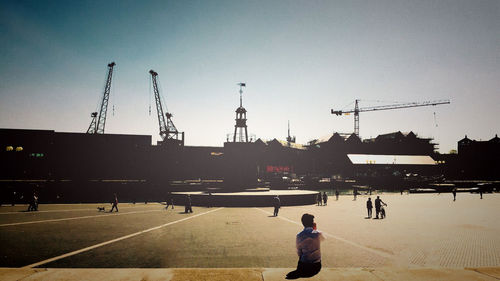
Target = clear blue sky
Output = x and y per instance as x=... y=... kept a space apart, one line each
x=299 y=59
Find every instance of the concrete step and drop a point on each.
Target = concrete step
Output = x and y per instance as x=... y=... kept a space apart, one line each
x=247 y=274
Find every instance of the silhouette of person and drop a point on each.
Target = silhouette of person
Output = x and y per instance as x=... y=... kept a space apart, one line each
x=318 y=199
x=369 y=207
x=13 y=198
x=454 y=191
x=355 y=192
x=337 y=194
x=33 y=203
x=115 y=204
x=277 y=205
x=378 y=204
x=308 y=249
x=325 y=198
x=481 y=192
x=169 y=200
x=188 y=207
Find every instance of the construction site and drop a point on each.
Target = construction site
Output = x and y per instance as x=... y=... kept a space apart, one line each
x=91 y=166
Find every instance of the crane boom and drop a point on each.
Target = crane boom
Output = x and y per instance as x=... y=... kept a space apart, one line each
x=159 y=107
x=99 y=122
x=168 y=131
x=357 y=110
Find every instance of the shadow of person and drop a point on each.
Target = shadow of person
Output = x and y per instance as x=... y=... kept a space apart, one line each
x=293 y=275
x=297 y=274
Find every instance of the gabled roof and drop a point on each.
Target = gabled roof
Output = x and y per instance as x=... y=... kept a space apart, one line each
x=274 y=142
x=496 y=139
x=336 y=138
x=410 y=135
x=353 y=138
x=465 y=140
x=260 y=142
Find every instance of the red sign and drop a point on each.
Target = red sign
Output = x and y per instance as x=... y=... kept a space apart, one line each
x=277 y=169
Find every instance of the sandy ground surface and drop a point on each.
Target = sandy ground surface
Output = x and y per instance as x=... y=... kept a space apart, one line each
x=428 y=230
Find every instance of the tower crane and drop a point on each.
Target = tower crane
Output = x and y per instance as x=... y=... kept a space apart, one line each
x=168 y=132
x=99 y=121
x=357 y=110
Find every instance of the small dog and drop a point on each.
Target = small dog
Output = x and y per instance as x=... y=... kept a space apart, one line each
x=100 y=209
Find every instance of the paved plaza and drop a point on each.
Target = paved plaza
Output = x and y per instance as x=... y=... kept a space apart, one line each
x=420 y=231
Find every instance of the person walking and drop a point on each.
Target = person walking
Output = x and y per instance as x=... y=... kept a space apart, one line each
x=169 y=200
x=308 y=249
x=378 y=204
x=14 y=198
x=188 y=204
x=115 y=204
x=33 y=203
x=336 y=194
x=325 y=198
x=355 y=192
x=318 y=199
x=277 y=205
x=369 y=207
x=454 y=191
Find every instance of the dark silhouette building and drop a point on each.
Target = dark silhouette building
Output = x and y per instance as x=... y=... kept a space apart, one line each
x=479 y=159
x=329 y=155
x=79 y=167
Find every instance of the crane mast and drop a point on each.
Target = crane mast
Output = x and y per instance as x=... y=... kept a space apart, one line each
x=93 y=123
x=357 y=110
x=98 y=122
x=168 y=131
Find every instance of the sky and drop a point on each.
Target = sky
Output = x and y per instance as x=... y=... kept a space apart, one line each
x=299 y=60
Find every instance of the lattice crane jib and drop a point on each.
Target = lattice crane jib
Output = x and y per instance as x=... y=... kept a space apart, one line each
x=168 y=131
x=101 y=122
x=357 y=109
x=159 y=108
x=98 y=122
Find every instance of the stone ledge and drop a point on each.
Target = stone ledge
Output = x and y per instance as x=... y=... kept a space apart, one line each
x=247 y=274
